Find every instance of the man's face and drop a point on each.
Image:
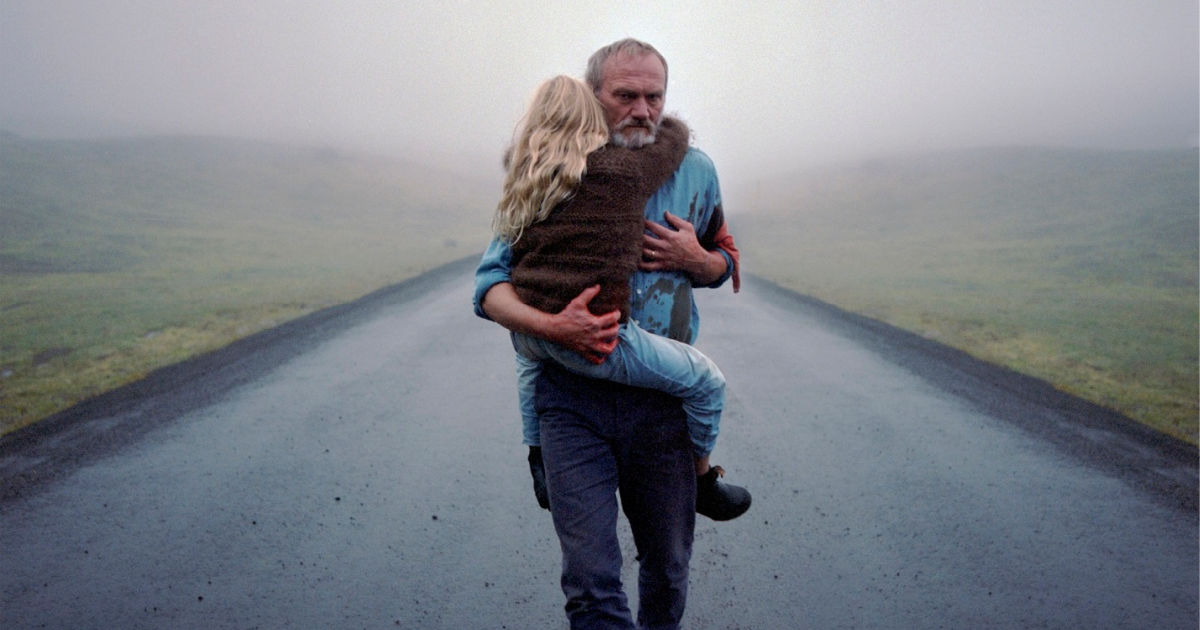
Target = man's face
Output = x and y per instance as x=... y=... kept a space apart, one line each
x=633 y=95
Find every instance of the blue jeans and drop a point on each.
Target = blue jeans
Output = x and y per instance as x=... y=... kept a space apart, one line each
x=599 y=439
x=641 y=359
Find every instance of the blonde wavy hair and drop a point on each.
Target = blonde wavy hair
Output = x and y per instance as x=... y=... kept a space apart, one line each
x=565 y=123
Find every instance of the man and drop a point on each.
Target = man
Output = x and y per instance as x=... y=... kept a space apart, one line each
x=600 y=438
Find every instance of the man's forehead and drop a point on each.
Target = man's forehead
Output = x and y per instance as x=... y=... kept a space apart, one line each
x=633 y=68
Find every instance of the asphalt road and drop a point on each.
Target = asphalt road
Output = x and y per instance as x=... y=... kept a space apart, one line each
x=362 y=468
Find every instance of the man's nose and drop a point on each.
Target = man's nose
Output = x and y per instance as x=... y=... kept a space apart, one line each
x=641 y=110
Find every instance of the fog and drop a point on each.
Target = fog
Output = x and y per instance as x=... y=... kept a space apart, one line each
x=767 y=88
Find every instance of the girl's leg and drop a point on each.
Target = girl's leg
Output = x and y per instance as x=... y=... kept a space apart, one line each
x=645 y=360
x=531 y=435
x=642 y=359
x=527 y=373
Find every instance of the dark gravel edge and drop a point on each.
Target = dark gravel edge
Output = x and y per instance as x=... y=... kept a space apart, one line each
x=98 y=427
x=1154 y=462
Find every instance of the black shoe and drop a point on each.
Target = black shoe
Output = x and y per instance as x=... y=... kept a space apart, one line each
x=538 y=470
x=720 y=501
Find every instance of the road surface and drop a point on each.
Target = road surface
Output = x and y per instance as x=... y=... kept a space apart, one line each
x=362 y=468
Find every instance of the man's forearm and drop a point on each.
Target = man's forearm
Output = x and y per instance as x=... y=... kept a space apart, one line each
x=505 y=308
x=574 y=328
x=709 y=269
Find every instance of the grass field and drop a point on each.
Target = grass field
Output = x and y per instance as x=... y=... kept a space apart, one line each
x=121 y=256
x=1077 y=267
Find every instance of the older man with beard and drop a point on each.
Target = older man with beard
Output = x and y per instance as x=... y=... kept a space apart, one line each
x=599 y=438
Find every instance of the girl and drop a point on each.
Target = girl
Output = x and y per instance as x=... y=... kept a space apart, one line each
x=572 y=212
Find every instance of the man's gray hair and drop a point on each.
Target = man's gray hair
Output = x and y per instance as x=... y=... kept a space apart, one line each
x=627 y=46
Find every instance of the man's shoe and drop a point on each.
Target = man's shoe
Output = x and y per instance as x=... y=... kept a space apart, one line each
x=720 y=501
x=538 y=471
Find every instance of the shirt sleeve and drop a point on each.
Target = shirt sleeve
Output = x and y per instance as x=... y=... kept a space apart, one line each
x=723 y=243
x=494 y=268
x=717 y=238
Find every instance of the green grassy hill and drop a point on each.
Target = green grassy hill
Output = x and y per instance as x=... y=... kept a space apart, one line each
x=1078 y=267
x=120 y=256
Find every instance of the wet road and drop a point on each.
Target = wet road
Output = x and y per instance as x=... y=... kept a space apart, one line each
x=362 y=469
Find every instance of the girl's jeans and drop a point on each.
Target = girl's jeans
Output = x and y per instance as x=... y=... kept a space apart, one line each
x=641 y=359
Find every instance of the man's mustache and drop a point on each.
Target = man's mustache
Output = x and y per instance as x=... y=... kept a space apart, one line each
x=637 y=124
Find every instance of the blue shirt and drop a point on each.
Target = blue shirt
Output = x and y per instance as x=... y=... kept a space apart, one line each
x=662 y=302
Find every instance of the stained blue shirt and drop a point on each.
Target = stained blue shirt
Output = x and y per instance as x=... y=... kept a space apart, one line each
x=661 y=302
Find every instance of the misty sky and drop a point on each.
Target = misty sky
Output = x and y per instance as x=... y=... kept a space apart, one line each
x=766 y=87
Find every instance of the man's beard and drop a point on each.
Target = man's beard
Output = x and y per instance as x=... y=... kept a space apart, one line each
x=644 y=133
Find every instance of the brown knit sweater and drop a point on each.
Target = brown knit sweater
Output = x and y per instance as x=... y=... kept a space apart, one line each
x=595 y=237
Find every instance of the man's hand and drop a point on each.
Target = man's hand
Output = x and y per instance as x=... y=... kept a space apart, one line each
x=679 y=249
x=574 y=328
x=593 y=336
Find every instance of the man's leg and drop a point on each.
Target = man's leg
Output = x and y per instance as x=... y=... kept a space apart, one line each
x=658 y=493
x=581 y=475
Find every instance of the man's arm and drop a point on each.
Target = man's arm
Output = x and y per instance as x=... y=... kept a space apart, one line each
x=679 y=249
x=574 y=328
